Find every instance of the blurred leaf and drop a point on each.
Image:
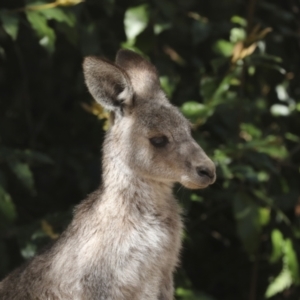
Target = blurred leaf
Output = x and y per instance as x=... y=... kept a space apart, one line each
x=200 y=31
x=250 y=131
x=271 y=145
x=160 y=27
x=264 y=216
x=237 y=35
x=10 y=24
x=223 y=160
x=280 y=283
x=194 y=110
x=46 y=34
x=30 y=156
x=59 y=15
x=167 y=85
x=109 y=6
x=23 y=173
x=280 y=110
x=292 y=137
x=292 y=260
x=7 y=209
x=196 y=198
x=239 y=20
x=277 y=245
x=47 y=228
x=247 y=218
x=188 y=294
x=29 y=250
x=223 y=47
x=136 y=20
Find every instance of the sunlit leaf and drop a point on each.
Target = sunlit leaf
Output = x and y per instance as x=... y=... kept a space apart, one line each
x=10 y=23
x=29 y=250
x=136 y=20
x=280 y=283
x=292 y=260
x=194 y=110
x=223 y=47
x=280 y=110
x=264 y=216
x=239 y=20
x=237 y=34
x=277 y=245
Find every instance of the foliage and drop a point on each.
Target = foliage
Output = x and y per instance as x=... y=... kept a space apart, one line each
x=232 y=68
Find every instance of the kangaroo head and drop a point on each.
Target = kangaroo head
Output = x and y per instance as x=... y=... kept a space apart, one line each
x=153 y=137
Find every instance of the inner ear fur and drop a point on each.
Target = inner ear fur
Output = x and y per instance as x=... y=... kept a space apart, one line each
x=143 y=75
x=108 y=84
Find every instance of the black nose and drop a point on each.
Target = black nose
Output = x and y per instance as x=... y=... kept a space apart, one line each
x=205 y=172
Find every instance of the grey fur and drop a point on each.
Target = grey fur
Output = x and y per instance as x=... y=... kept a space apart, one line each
x=124 y=240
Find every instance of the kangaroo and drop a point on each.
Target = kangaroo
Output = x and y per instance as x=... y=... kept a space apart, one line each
x=124 y=240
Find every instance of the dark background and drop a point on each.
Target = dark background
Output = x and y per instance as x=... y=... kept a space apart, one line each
x=232 y=66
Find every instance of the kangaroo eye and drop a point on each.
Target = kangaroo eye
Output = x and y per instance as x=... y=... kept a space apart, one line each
x=159 y=141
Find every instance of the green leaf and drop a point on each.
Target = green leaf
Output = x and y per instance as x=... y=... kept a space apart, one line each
x=239 y=20
x=189 y=294
x=194 y=110
x=23 y=173
x=223 y=162
x=167 y=85
x=280 y=283
x=237 y=34
x=280 y=110
x=10 y=154
x=277 y=245
x=292 y=137
x=160 y=27
x=251 y=130
x=196 y=198
x=59 y=15
x=29 y=250
x=223 y=47
x=247 y=220
x=271 y=145
x=200 y=31
x=264 y=216
x=7 y=208
x=136 y=20
x=292 y=260
x=10 y=24
x=46 y=34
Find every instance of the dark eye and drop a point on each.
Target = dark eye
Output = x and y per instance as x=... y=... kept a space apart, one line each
x=159 y=141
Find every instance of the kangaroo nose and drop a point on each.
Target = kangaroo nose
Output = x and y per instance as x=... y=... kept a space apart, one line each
x=206 y=172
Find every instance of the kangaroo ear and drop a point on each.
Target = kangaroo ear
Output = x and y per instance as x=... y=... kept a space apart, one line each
x=108 y=84
x=143 y=75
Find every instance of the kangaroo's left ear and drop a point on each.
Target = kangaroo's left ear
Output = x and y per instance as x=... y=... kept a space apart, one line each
x=108 y=84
